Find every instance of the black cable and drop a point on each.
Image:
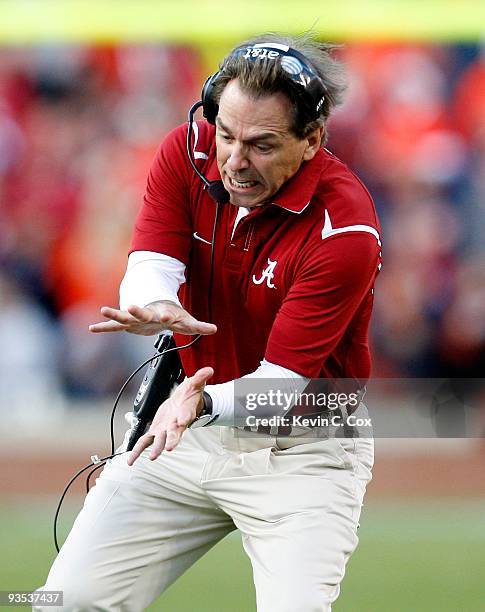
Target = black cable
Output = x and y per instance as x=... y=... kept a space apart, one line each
x=101 y=462
x=211 y=275
x=88 y=478
x=188 y=143
x=104 y=459
x=216 y=189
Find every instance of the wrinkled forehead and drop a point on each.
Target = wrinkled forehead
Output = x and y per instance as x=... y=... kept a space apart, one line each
x=239 y=109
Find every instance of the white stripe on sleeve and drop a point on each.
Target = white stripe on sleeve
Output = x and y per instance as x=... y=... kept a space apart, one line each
x=328 y=230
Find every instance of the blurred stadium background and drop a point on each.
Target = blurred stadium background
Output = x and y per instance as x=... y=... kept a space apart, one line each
x=87 y=91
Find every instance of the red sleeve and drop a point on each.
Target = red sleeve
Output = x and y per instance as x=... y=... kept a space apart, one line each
x=163 y=224
x=331 y=282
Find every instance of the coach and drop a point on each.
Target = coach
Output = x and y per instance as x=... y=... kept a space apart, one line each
x=280 y=285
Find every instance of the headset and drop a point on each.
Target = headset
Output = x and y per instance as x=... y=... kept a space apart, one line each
x=308 y=86
x=309 y=89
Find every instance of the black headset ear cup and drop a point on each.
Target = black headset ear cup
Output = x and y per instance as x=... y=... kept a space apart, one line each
x=210 y=108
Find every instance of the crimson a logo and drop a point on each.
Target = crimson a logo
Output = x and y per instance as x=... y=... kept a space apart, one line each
x=266 y=275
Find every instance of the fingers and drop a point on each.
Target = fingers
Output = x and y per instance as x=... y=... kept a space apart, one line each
x=121 y=320
x=190 y=390
x=200 y=378
x=151 y=320
x=107 y=326
x=156 y=441
x=205 y=329
x=187 y=325
x=173 y=438
x=158 y=445
x=117 y=315
x=144 y=442
x=144 y=315
x=164 y=440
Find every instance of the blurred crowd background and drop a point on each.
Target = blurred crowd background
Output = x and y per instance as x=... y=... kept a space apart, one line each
x=78 y=129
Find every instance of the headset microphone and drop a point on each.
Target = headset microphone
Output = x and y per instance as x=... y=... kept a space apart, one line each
x=218 y=192
x=215 y=188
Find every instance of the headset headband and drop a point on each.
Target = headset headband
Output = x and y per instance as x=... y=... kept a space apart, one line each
x=308 y=84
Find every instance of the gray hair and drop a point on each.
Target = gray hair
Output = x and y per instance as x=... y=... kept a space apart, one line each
x=263 y=77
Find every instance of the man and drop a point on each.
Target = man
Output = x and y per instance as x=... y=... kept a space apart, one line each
x=286 y=294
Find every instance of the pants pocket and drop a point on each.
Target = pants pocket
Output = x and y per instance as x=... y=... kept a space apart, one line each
x=311 y=457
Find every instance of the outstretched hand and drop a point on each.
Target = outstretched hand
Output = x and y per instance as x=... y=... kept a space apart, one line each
x=151 y=320
x=173 y=417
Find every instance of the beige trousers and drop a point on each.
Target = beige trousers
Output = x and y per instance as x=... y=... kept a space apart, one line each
x=296 y=502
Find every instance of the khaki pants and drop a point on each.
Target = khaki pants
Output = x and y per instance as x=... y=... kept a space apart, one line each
x=296 y=502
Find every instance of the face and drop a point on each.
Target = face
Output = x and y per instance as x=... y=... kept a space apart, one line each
x=256 y=150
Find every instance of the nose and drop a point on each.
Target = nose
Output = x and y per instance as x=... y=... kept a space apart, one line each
x=237 y=160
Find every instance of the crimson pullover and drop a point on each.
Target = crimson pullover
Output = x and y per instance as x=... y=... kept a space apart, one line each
x=293 y=283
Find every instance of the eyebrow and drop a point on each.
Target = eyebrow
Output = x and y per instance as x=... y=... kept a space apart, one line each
x=257 y=138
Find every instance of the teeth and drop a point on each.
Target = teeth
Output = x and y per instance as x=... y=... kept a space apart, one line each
x=242 y=184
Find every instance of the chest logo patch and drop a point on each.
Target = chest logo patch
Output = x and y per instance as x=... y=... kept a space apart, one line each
x=266 y=275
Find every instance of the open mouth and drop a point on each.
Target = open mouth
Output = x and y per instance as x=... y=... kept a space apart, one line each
x=235 y=184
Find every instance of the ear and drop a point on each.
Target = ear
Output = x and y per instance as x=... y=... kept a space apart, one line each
x=314 y=142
